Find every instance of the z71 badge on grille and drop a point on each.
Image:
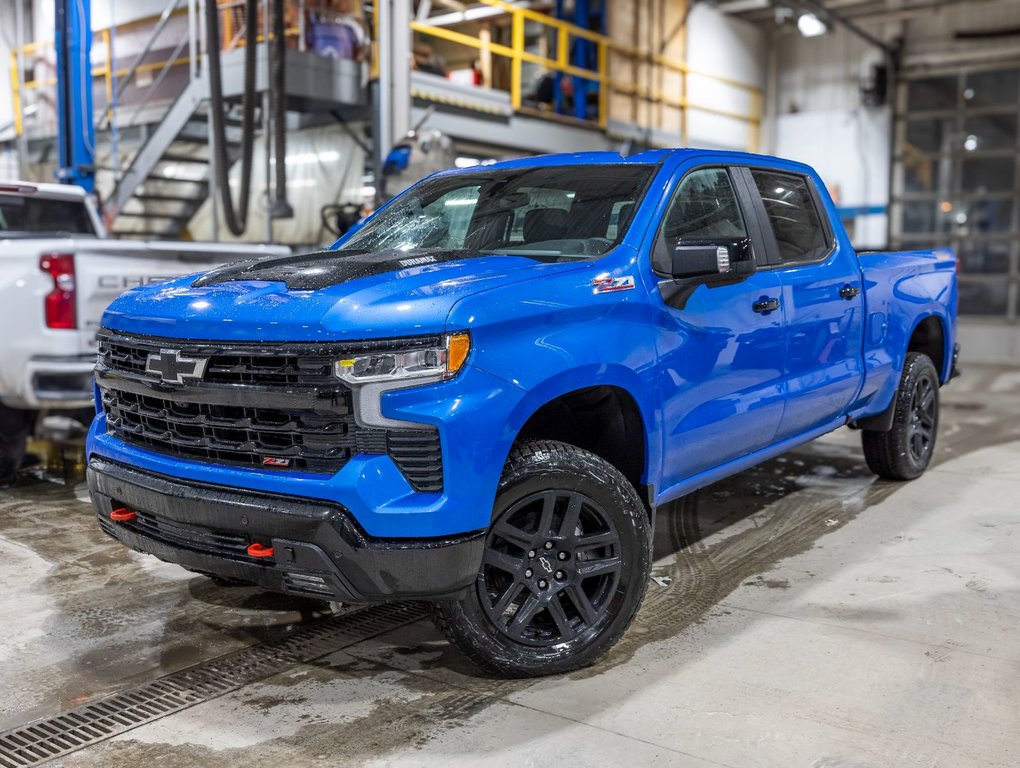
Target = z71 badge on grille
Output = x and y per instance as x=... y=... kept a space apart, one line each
x=172 y=368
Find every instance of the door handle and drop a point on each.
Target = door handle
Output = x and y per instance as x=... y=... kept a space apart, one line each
x=849 y=291
x=764 y=305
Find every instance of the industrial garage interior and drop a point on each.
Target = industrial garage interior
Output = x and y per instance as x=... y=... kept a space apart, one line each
x=347 y=380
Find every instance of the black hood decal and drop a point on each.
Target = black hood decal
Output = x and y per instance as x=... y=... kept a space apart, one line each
x=324 y=269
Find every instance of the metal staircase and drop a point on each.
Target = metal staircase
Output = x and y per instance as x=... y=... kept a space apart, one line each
x=169 y=178
x=171 y=175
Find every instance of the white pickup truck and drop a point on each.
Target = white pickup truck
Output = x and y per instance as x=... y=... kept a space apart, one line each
x=58 y=273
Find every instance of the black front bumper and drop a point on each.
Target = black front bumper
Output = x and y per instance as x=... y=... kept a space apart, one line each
x=318 y=549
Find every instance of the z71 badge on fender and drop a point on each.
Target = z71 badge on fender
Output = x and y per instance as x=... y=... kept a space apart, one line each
x=609 y=284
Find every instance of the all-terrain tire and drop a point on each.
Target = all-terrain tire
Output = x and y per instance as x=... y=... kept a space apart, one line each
x=904 y=452
x=566 y=564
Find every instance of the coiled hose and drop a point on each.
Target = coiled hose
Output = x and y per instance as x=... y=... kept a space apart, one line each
x=277 y=96
x=236 y=219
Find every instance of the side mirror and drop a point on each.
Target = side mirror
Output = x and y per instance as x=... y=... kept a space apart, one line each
x=712 y=260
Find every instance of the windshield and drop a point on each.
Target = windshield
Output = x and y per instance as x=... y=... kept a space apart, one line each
x=37 y=214
x=553 y=213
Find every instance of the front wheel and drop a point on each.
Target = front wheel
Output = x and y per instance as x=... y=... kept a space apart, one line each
x=905 y=451
x=564 y=570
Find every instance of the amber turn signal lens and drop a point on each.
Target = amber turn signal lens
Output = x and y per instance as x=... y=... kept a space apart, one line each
x=458 y=346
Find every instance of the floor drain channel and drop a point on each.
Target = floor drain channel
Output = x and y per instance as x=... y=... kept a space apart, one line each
x=46 y=739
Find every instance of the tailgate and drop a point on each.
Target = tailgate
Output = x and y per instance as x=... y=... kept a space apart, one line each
x=112 y=267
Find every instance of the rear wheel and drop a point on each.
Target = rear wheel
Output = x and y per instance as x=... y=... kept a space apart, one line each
x=905 y=451
x=564 y=570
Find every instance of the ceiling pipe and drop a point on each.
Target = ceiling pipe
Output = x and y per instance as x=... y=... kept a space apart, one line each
x=828 y=14
x=909 y=12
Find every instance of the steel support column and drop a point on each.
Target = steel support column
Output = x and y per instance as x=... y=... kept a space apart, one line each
x=392 y=91
x=75 y=128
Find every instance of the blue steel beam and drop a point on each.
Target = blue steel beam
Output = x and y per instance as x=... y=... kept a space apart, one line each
x=75 y=131
x=589 y=14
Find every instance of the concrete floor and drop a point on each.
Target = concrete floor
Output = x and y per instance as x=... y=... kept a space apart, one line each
x=803 y=614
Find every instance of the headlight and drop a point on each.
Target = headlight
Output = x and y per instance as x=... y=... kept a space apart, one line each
x=371 y=375
x=437 y=363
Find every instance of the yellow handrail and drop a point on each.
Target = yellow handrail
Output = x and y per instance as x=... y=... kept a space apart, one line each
x=605 y=45
x=16 y=92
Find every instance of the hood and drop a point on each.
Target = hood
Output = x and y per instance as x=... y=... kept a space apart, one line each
x=327 y=296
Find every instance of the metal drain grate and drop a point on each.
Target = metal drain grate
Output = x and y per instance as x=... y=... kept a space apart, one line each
x=46 y=739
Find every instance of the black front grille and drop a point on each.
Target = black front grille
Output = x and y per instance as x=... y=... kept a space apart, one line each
x=315 y=441
x=124 y=357
x=282 y=370
x=302 y=365
x=275 y=407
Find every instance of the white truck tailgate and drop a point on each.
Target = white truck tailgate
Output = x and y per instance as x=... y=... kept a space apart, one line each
x=105 y=271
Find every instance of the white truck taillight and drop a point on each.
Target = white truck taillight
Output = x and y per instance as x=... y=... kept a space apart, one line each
x=61 y=303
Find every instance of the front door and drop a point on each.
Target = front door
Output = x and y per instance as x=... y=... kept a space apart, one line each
x=720 y=346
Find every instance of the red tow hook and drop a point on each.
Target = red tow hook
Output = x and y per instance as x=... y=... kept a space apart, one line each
x=122 y=515
x=258 y=550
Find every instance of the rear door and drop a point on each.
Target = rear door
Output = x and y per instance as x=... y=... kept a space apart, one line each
x=822 y=298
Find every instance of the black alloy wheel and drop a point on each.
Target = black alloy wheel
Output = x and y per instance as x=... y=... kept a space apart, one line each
x=550 y=568
x=921 y=430
x=564 y=569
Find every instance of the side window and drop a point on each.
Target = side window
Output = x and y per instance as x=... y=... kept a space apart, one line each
x=704 y=207
x=794 y=217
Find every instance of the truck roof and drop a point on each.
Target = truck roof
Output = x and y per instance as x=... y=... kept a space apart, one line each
x=34 y=189
x=650 y=156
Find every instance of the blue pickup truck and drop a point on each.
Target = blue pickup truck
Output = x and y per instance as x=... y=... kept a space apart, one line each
x=480 y=396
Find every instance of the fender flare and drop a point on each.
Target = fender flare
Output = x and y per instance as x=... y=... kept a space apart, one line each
x=883 y=422
x=595 y=375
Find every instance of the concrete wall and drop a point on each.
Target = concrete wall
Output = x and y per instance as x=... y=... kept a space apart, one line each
x=720 y=45
x=716 y=44
x=819 y=118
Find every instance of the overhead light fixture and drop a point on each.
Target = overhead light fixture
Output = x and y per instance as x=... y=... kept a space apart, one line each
x=810 y=25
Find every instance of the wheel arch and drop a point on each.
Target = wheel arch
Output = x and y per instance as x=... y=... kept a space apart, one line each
x=599 y=413
x=929 y=335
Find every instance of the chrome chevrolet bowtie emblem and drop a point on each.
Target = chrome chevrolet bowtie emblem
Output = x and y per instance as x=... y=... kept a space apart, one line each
x=174 y=369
